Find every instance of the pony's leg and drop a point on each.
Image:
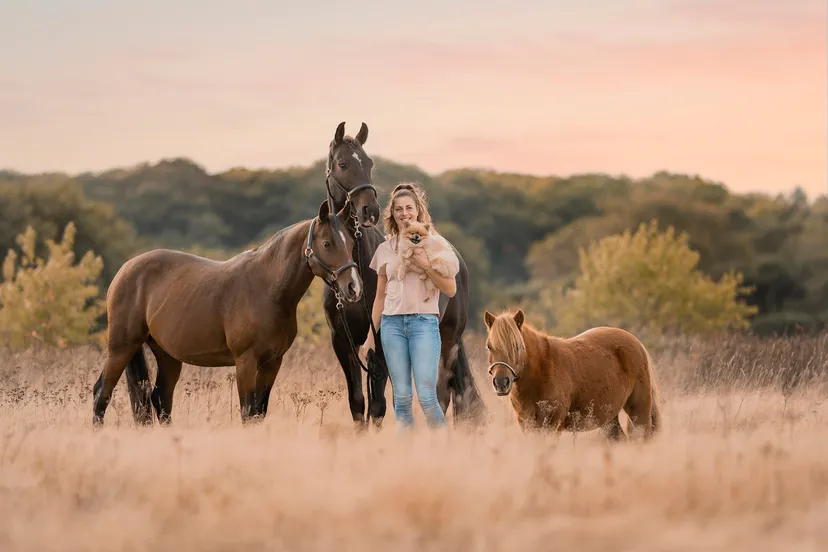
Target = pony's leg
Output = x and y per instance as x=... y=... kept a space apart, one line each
x=116 y=361
x=169 y=370
x=265 y=377
x=639 y=408
x=613 y=430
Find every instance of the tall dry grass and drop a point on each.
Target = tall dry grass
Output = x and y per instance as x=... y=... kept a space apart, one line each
x=741 y=464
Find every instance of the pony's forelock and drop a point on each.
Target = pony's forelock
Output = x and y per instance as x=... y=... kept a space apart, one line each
x=505 y=338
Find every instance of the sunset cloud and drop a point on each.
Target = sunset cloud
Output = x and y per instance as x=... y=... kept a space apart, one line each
x=732 y=90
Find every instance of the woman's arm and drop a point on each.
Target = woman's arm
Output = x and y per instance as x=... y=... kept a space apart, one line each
x=447 y=285
x=379 y=302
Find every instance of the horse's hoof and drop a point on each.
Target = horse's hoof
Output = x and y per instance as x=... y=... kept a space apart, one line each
x=360 y=425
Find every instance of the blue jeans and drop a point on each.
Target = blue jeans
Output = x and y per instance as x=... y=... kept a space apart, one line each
x=411 y=344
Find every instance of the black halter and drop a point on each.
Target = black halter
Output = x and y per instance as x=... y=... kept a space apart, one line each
x=348 y=193
x=514 y=372
x=332 y=274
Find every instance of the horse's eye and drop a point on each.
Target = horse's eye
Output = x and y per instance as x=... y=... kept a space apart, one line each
x=342 y=164
x=326 y=244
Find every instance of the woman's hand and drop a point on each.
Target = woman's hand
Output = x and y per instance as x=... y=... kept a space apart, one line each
x=367 y=346
x=420 y=259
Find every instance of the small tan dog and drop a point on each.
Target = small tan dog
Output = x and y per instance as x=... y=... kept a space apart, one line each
x=418 y=236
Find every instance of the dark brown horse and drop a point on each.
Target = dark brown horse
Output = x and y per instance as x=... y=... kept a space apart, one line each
x=575 y=384
x=349 y=180
x=203 y=312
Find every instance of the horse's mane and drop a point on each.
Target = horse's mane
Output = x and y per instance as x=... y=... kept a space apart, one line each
x=275 y=240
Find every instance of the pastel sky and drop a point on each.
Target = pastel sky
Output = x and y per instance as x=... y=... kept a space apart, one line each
x=733 y=90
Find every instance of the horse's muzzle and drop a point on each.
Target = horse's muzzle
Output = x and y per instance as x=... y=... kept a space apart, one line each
x=369 y=216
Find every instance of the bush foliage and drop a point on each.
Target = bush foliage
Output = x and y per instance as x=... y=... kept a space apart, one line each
x=52 y=301
x=648 y=282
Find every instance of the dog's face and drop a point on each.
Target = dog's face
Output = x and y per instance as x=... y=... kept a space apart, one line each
x=416 y=232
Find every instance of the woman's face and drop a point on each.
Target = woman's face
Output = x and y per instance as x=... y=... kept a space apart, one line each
x=404 y=210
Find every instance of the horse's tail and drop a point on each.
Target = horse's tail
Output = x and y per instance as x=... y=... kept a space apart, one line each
x=468 y=404
x=140 y=388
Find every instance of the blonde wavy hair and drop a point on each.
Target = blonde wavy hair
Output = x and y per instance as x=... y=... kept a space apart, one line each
x=406 y=189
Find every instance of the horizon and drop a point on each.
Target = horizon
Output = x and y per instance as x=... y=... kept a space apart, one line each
x=733 y=91
x=308 y=166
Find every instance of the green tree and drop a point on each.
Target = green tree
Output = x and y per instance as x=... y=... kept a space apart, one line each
x=648 y=282
x=52 y=301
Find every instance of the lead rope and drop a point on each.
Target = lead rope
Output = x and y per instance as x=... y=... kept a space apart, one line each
x=371 y=377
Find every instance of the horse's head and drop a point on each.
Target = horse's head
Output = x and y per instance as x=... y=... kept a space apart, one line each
x=349 y=178
x=328 y=252
x=506 y=349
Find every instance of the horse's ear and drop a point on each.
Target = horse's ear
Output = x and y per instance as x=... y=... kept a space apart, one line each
x=324 y=211
x=489 y=318
x=340 y=133
x=519 y=318
x=362 y=135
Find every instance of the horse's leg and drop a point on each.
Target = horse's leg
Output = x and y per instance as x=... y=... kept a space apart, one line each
x=353 y=376
x=377 y=405
x=265 y=377
x=246 y=367
x=169 y=370
x=116 y=361
x=140 y=389
x=445 y=375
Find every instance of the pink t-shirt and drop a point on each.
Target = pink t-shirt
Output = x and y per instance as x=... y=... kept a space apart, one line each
x=407 y=296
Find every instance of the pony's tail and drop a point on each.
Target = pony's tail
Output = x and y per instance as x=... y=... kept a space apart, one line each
x=655 y=391
x=140 y=388
x=468 y=404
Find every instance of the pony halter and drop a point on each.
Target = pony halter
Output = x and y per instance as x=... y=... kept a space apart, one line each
x=332 y=274
x=515 y=377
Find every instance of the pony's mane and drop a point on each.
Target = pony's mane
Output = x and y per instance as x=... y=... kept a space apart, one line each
x=506 y=338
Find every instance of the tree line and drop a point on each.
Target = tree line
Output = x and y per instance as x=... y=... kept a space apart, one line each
x=522 y=236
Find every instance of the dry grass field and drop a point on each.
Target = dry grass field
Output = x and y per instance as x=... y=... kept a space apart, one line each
x=742 y=464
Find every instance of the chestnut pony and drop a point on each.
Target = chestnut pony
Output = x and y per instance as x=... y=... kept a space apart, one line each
x=576 y=384
x=240 y=312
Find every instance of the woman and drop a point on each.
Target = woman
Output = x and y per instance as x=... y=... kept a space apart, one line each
x=405 y=314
